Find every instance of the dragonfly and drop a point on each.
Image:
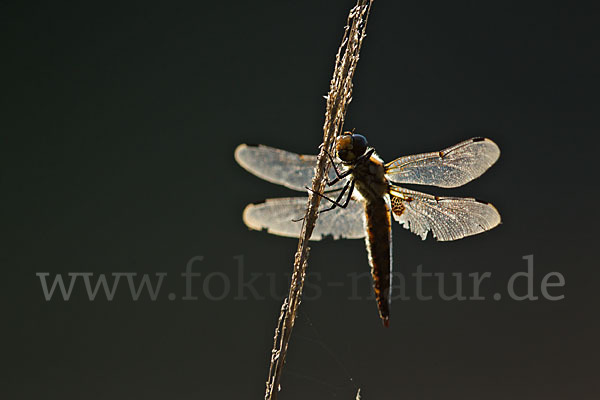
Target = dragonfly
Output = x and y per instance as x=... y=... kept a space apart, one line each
x=364 y=194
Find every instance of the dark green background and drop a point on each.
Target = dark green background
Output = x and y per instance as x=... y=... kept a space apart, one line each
x=119 y=122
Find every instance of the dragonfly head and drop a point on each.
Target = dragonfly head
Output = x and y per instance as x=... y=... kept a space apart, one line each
x=350 y=146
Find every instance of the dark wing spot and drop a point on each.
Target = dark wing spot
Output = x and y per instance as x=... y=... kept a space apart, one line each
x=397 y=206
x=478 y=139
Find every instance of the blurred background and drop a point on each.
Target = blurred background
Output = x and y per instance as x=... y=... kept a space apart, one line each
x=119 y=122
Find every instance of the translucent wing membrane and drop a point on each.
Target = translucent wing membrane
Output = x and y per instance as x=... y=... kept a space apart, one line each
x=276 y=215
x=448 y=168
x=448 y=218
x=291 y=170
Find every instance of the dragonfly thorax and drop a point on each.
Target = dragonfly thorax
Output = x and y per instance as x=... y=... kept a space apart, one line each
x=351 y=146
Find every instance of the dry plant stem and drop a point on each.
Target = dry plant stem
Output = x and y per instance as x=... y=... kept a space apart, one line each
x=340 y=95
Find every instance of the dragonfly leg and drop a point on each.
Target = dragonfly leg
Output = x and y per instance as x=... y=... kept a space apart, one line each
x=336 y=202
x=334 y=205
x=339 y=175
x=367 y=155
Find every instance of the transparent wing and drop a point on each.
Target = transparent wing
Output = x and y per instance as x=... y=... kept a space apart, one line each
x=448 y=218
x=276 y=215
x=448 y=168
x=291 y=170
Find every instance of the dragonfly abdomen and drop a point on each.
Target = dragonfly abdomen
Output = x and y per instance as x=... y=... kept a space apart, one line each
x=379 y=247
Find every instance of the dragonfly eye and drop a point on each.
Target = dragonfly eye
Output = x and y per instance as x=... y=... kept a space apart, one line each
x=350 y=147
x=360 y=144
